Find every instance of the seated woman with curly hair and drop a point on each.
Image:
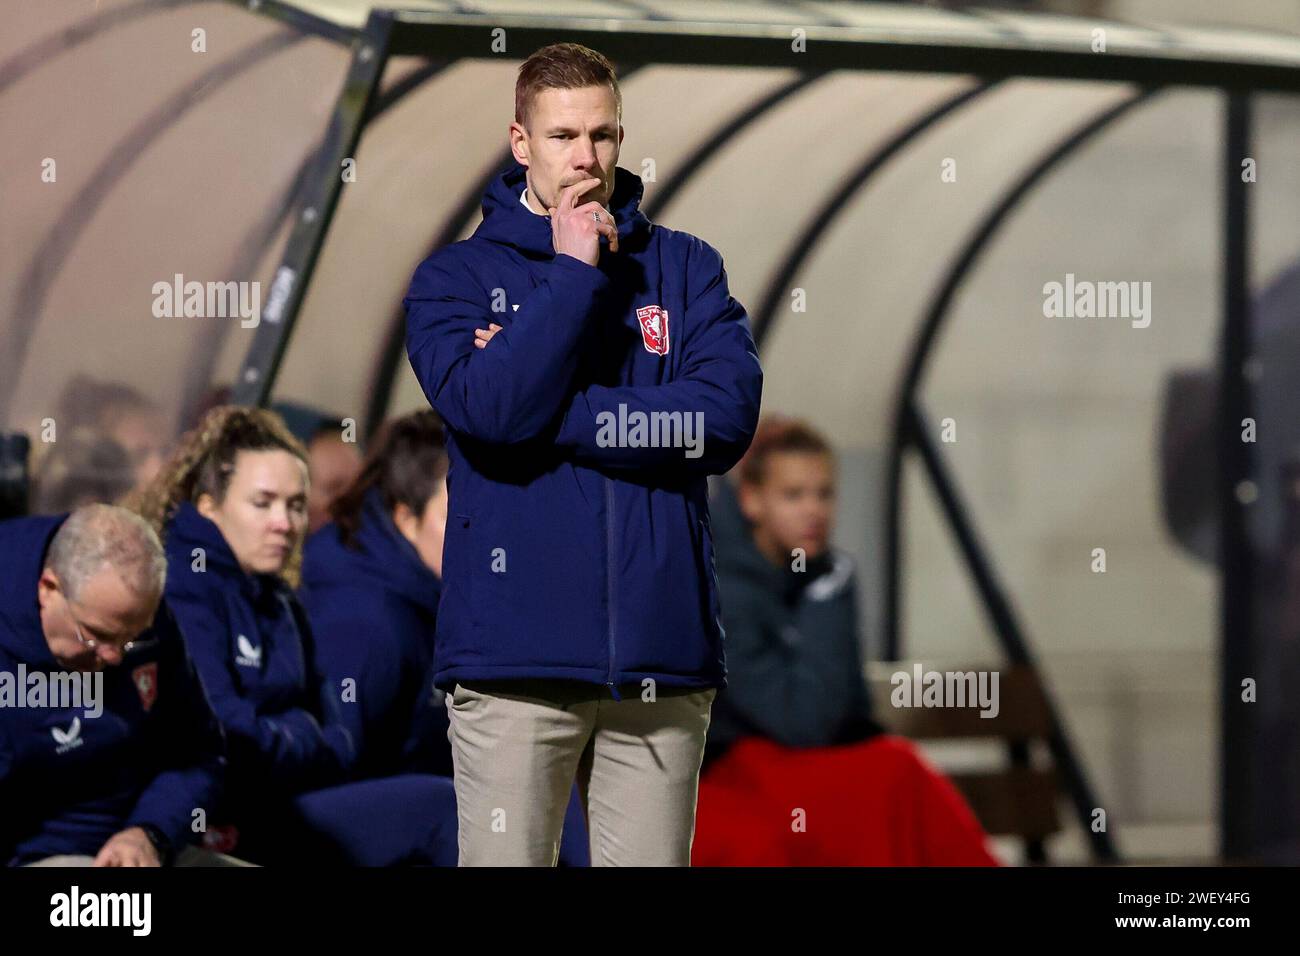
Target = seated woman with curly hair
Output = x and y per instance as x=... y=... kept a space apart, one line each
x=231 y=508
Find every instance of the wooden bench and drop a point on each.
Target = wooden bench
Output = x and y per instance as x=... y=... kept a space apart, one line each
x=1018 y=799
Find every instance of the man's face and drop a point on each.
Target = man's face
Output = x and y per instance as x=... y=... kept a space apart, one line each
x=106 y=613
x=571 y=135
x=794 y=504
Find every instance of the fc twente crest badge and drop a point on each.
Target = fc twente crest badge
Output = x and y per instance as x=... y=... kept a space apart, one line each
x=145 y=678
x=654 y=328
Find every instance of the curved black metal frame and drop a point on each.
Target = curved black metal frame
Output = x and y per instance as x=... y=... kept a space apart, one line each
x=938 y=314
x=370 y=53
x=764 y=317
x=709 y=147
x=910 y=431
x=60 y=241
x=209 y=341
x=63 y=235
x=40 y=53
x=1238 y=835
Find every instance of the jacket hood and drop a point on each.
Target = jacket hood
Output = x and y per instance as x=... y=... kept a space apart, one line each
x=507 y=221
x=188 y=530
x=23 y=543
x=381 y=557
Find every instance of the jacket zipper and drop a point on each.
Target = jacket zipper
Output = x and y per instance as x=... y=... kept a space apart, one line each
x=610 y=581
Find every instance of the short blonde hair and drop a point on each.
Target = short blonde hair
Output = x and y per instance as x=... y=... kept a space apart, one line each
x=562 y=66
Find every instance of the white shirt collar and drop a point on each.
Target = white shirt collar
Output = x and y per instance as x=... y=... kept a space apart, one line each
x=523 y=198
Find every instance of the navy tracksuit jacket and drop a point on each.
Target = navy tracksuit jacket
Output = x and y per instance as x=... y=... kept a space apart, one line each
x=373 y=612
x=291 y=756
x=69 y=781
x=578 y=545
x=373 y=609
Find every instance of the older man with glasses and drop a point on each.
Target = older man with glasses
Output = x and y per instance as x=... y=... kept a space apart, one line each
x=109 y=752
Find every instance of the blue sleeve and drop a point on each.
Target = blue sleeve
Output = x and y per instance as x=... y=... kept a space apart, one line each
x=187 y=744
x=352 y=643
x=721 y=380
x=288 y=749
x=510 y=392
x=334 y=731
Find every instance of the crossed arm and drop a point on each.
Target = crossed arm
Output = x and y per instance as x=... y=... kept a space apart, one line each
x=522 y=386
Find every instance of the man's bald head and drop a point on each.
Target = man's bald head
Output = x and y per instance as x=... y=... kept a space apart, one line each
x=99 y=536
x=108 y=563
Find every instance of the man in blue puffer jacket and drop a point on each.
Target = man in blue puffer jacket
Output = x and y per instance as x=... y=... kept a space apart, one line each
x=592 y=369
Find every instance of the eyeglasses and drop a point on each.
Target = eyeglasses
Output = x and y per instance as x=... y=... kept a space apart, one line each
x=93 y=644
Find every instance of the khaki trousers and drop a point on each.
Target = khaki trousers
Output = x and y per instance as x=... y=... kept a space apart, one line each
x=518 y=745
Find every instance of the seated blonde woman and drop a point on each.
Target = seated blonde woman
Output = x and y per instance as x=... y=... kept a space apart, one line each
x=231 y=507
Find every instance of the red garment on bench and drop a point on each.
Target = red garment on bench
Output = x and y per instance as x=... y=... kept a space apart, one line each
x=874 y=803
